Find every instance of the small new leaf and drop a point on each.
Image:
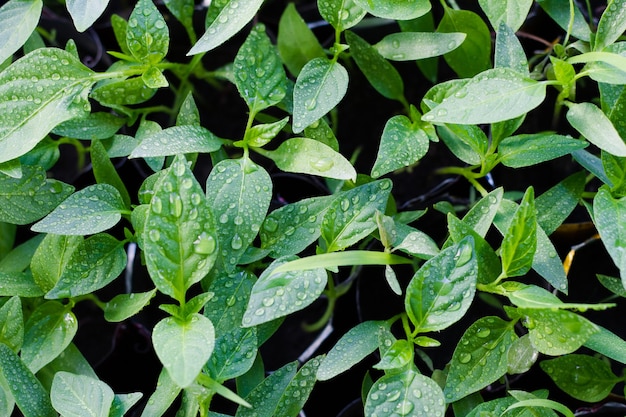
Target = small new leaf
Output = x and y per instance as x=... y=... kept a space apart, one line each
x=520 y=240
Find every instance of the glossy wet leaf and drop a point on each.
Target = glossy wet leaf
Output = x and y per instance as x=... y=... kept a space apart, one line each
x=415 y=242
x=480 y=357
x=30 y=197
x=480 y=217
x=556 y=204
x=584 y=377
x=259 y=73
x=351 y=216
x=154 y=78
x=290 y=229
x=404 y=394
x=608 y=344
x=596 y=127
x=442 y=289
x=234 y=353
x=49 y=330
x=353 y=346
x=612 y=284
x=238 y=217
x=283 y=393
x=612 y=24
x=188 y=115
x=93 y=264
x=278 y=294
x=180 y=240
x=78 y=395
x=147 y=36
x=19 y=283
x=296 y=43
x=183 y=347
x=520 y=240
x=84 y=14
x=379 y=72
x=511 y=12
x=37 y=92
x=262 y=134
x=232 y=17
x=332 y=260
x=608 y=216
x=163 y=396
x=18 y=19
x=183 y=10
x=177 y=140
x=557 y=332
x=509 y=52
x=320 y=86
x=105 y=172
x=396 y=356
x=559 y=11
x=409 y=46
x=397 y=10
x=31 y=397
x=474 y=54
x=521 y=356
x=308 y=156
x=91 y=210
x=341 y=14
x=12 y=323
x=532 y=149
x=124 y=306
x=615 y=170
x=122 y=403
x=123 y=92
x=402 y=144
x=492 y=96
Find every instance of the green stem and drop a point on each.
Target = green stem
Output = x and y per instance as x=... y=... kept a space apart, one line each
x=332 y=296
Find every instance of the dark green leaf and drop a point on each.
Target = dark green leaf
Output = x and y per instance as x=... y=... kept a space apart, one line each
x=105 y=173
x=296 y=43
x=12 y=323
x=20 y=284
x=488 y=262
x=183 y=11
x=188 y=115
x=609 y=214
x=615 y=170
x=124 y=306
x=147 y=35
x=123 y=92
x=556 y=204
x=532 y=149
x=520 y=240
x=164 y=395
x=560 y=11
x=612 y=284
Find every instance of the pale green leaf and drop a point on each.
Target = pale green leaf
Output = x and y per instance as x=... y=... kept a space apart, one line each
x=408 y=46
x=85 y=13
x=521 y=355
x=123 y=92
x=177 y=140
x=608 y=344
x=341 y=14
x=557 y=332
x=596 y=127
x=511 y=12
x=18 y=19
x=396 y=10
x=509 y=51
x=397 y=356
x=147 y=36
x=80 y=396
x=609 y=214
x=154 y=78
x=124 y=306
x=163 y=396
x=260 y=135
x=346 y=258
x=532 y=149
x=612 y=24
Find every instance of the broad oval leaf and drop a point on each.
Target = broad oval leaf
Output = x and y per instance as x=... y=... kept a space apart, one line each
x=402 y=143
x=91 y=210
x=409 y=46
x=179 y=238
x=124 y=306
x=509 y=51
x=183 y=347
x=443 y=288
x=259 y=73
x=85 y=13
x=231 y=19
x=37 y=92
x=612 y=24
x=557 y=332
x=147 y=36
x=403 y=394
x=341 y=14
x=596 y=127
x=79 y=395
x=397 y=9
x=522 y=355
x=278 y=294
x=511 y=12
x=309 y=156
x=18 y=19
x=480 y=357
x=320 y=86
x=177 y=140
x=492 y=96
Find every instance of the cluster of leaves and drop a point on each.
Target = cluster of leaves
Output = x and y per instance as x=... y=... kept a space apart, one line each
x=234 y=271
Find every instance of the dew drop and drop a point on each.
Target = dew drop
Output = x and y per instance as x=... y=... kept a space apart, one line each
x=156 y=204
x=270 y=225
x=310 y=104
x=176 y=207
x=321 y=164
x=465 y=357
x=154 y=235
x=236 y=243
x=345 y=204
x=483 y=333
x=205 y=244
x=404 y=408
x=223 y=218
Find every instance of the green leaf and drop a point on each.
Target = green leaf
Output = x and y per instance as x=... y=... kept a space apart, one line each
x=91 y=210
x=188 y=115
x=296 y=43
x=591 y=163
x=278 y=294
x=584 y=377
x=353 y=346
x=433 y=304
x=511 y=12
x=403 y=394
x=483 y=212
x=283 y=393
x=509 y=51
x=425 y=24
x=539 y=406
x=30 y=396
x=532 y=149
x=609 y=214
x=18 y=19
x=379 y=72
x=408 y=46
x=612 y=24
x=415 y=242
x=19 y=258
x=612 y=284
x=402 y=144
x=12 y=323
x=229 y=187
x=615 y=170
x=232 y=17
x=521 y=356
x=123 y=92
x=474 y=54
x=104 y=171
x=78 y=396
x=234 y=354
x=179 y=237
x=49 y=330
x=37 y=92
x=92 y=265
x=557 y=203
x=596 y=127
x=260 y=135
x=608 y=66
x=556 y=332
x=183 y=11
x=163 y=396
x=308 y=156
x=351 y=216
x=398 y=356
x=397 y=10
x=30 y=197
x=290 y=229
x=177 y=140
x=560 y=11
x=122 y=403
x=124 y=306
x=608 y=344
x=154 y=78
x=18 y=283
x=85 y=14
x=347 y=258
x=520 y=240
x=493 y=96
x=341 y=14
x=184 y=347
x=259 y=73
x=147 y=35
x=320 y=86
x=480 y=357
x=469 y=136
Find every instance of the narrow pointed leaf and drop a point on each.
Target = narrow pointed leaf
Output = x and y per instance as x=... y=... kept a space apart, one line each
x=341 y=14
x=609 y=214
x=177 y=140
x=612 y=24
x=409 y=46
x=509 y=51
x=296 y=43
x=397 y=10
x=520 y=240
x=596 y=127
